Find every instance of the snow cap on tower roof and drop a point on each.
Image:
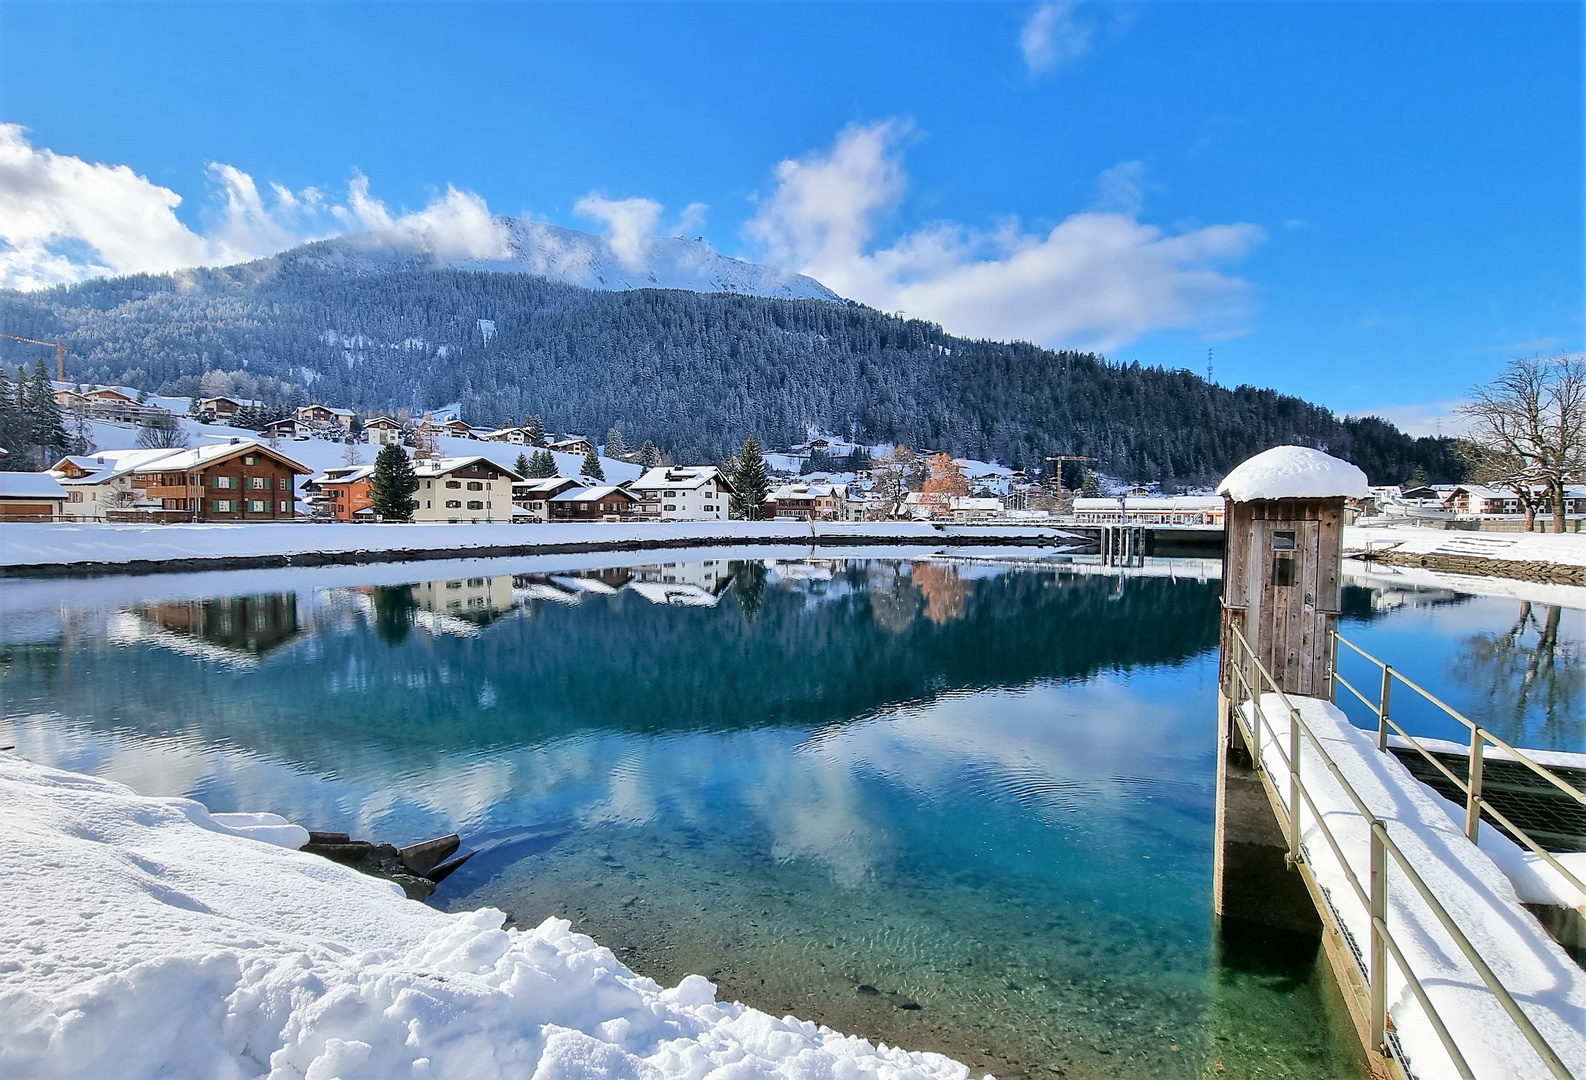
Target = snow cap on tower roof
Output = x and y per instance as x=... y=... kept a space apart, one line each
x=1293 y=472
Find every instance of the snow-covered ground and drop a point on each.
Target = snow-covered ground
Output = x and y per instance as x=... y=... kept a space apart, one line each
x=145 y=939
x=1469 y=883
x=63 y=543
x=1566 y=549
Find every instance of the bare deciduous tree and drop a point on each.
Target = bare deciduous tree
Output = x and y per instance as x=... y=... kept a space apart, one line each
x=1528 y=431
x=162 y=432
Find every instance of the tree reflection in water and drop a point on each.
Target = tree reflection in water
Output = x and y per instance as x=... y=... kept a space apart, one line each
x=1524 y=671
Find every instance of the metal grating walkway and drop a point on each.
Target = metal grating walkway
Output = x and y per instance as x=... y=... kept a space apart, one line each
x=1553 y=819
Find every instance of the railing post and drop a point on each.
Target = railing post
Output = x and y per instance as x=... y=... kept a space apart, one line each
x=1379 y=952
x=1382 y=707
x=1473 y=797
x=1332 y=665
x=1294 y=786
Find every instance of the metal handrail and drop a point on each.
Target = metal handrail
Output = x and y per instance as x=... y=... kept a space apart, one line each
x=1375 y=898
x=1475 y=802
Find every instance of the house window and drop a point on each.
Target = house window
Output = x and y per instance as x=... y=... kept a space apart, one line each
x=475 y=504
x=475 y=485
x=285 y=508
x=669 y=506
x=222 y=506
x=671 y=494
x=259 y=483
x=282 y=483
x=453 y=504
x=258 y=506
x=476 y=582
x=455 y=484
x=250 y=460
x=225 y=481
x=77 y=496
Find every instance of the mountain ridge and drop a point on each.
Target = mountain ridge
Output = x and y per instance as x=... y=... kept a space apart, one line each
x=558 y=253
x=693 y=371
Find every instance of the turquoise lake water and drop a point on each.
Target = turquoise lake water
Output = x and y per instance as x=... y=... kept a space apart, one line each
x=951 y=804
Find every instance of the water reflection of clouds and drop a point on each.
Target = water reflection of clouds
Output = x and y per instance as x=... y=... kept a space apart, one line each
x=1046 y=744
x=811 y=798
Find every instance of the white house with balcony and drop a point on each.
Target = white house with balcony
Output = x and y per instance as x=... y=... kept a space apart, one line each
x=682 y=493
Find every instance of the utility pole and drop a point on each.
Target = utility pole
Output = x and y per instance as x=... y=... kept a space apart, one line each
x=1057 y=480
x=60 y=353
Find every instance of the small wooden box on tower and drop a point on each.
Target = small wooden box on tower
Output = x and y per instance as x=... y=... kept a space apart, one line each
x=1282 y=563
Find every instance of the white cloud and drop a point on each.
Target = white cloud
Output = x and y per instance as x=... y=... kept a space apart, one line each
x=1052 y=38
x=1097 y=279
x=63 y=219
x=1122 y=188
x=630 y=222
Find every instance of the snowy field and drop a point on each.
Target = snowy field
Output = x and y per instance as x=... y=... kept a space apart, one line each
x=62 y=543
x=144 y=938
x=1482 y=889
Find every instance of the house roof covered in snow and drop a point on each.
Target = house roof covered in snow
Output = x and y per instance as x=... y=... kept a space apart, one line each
x=1293 y=472
x=591 y=494
x=107 y=465
x=430 y=468
x=207 y=455
x=680 y=476
x=30 y=485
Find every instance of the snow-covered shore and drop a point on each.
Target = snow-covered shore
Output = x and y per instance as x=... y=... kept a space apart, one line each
x=32 y=548
x=145 y=938
x=1564 y=549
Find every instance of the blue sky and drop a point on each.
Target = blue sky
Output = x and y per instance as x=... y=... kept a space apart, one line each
x=1371 y=205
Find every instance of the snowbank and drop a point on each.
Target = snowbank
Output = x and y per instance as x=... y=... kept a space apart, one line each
x=1566 y=549
x=1477 y=894
x=143 y=940
x=1293 y=472
x=66 y=544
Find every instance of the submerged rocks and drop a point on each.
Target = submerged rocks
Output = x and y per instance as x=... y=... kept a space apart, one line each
x=417 y=868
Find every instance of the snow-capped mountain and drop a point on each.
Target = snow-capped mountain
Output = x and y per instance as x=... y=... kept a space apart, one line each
x=578 y=258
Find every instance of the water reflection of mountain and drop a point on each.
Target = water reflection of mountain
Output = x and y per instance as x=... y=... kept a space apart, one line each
x=820 y=648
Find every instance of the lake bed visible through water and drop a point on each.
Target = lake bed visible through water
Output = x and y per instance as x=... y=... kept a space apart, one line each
x=953 y=804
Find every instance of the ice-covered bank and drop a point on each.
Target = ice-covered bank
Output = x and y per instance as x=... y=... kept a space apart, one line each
x=144 y=938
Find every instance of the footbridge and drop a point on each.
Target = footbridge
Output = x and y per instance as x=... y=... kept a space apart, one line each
x=1446 y=909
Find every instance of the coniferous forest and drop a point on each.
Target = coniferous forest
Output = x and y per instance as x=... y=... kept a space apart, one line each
x=694 y=372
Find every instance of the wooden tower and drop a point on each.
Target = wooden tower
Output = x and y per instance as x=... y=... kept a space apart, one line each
x=1282 y=564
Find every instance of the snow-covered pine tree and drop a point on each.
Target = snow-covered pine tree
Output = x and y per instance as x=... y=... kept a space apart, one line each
x=615 y=446
x=591 y=468
x=392 y=486
x=522 y=466
x=49 y=439
x=750 y=482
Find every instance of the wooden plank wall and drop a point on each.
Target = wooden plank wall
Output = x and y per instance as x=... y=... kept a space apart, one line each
x=1286 y=625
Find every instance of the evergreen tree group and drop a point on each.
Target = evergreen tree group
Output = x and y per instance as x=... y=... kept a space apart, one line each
x=541 y=466
x=32 y=428
x=392 y=485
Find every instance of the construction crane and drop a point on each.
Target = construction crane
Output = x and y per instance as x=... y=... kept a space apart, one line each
x=1057 y=469
x=60 y=353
